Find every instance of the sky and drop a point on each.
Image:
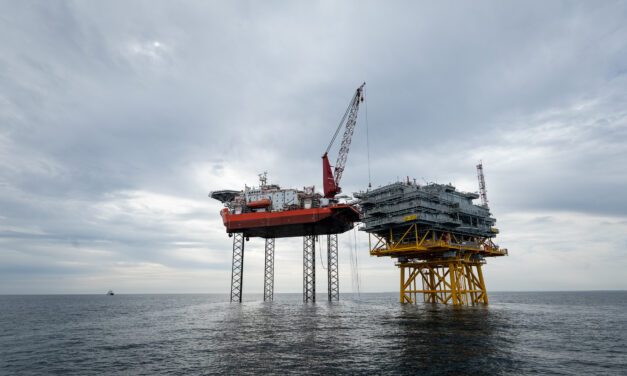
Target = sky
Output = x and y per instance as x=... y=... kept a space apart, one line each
x=118 y=118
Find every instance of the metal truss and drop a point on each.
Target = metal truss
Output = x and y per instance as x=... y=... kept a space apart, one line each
x=441 y=266
x=309 y=269
x=411 y=242
x=332 y=268
x=237 y=275
x=458 y=282
x=268 y=276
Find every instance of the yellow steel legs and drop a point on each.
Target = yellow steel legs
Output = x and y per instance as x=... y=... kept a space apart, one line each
x=443 y=281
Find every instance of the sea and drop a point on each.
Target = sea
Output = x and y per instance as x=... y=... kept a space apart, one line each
x=518 y=333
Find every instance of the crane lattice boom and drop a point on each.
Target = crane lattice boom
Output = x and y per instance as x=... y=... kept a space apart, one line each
x=331 y=182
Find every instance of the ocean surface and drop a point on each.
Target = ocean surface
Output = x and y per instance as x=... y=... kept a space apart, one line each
x=568 y=333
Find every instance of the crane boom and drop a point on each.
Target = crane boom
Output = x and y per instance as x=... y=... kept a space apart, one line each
x=331 y=181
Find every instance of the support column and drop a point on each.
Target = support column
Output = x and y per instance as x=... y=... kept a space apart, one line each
x=408 y=275
x=483 y=294
x=432 y=287
x=332 y=264
x=309 y=269
x=237 y=274
x=471 y=284
x=268 y=276
x=454 y=287
x=402 y=289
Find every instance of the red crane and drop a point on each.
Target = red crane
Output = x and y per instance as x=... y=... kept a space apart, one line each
x=331 y=180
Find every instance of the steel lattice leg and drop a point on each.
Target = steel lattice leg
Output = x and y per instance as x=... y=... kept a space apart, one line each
x=309 y=269
x=268 y=277
x=237 y=275
x=334 y=277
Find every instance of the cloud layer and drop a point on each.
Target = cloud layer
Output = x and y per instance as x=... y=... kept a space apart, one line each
x=117 y=119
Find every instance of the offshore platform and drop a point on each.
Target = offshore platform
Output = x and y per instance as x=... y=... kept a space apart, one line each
x=438 y=236
x=270 y=212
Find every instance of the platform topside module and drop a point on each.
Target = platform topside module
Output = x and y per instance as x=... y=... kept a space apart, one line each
x=435 y=206
x=439 y=237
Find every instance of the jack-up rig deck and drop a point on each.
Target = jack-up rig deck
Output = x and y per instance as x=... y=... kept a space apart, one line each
x=439 y=237
x=270 y=212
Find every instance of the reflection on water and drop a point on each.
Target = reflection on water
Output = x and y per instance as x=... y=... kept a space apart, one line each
x=454 y=339
x=518 y=333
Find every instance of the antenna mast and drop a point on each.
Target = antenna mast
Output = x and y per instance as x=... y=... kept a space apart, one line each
x=482 y=191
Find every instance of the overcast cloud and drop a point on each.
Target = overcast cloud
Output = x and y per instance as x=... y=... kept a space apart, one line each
x=117 y=118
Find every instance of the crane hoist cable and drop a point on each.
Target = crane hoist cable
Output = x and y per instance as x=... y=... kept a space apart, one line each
x=367 y=139
x=354 y=263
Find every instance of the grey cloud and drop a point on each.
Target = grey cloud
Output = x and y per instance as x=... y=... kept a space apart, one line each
x=101 y=99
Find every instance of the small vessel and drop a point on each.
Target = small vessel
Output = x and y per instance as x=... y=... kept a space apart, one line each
x=110 y=292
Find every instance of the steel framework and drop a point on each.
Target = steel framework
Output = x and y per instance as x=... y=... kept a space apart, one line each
x=443 y=267
x=332 y=268
x=414 y=242
x=237 y=273
x=456 y=281
x=268 y=277
x=309 y=268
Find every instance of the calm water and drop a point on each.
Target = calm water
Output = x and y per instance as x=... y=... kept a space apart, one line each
x=518 y=333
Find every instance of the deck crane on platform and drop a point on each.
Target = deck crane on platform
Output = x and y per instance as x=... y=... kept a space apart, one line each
x=331 y=180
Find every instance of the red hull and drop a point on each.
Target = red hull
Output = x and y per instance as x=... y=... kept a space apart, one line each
x=301 y=222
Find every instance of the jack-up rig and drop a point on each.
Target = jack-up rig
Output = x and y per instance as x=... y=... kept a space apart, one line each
x=270 y=212
x=438 y=236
